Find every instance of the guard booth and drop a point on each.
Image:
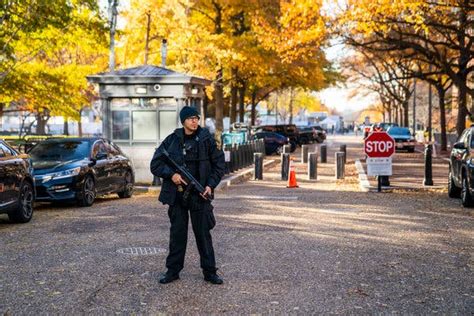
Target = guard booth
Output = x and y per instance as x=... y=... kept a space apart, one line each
x=140 y=107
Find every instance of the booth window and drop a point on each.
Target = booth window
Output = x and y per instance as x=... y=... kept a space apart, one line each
x=121 y=125
x=144 y=125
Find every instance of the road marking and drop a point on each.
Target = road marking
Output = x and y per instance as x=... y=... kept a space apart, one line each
x=259 y=197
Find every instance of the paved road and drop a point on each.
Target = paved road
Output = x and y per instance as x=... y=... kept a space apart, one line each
x=325 y=248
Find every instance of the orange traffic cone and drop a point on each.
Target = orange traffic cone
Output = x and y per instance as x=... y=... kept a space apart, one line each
x=292 y=178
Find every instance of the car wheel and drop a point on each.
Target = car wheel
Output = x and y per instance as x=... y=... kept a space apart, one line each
x=466 y=196
x=128 y=186
x=88 y=193
x=24 y=211
x=453 y=190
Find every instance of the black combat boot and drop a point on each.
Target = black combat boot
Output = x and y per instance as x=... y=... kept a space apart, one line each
x=213 y=278
x=168 y=278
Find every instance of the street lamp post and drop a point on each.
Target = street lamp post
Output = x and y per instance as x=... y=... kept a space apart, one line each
x=430 y=107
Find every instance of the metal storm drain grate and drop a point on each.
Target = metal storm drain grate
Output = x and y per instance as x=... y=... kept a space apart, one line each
x=141 y=251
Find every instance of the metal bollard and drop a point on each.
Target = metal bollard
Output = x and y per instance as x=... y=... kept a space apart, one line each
x=340 y=165
x=238 y=151
x=285 y=166
x=156 y=181
x=428 y=165
x=286 y=149
x=342 y=148
x=304 y=153
x=324 y=153
x=258 y=161
x=312 y=166
x=227 y=158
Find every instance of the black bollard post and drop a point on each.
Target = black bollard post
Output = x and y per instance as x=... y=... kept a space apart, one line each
x=286 y=149
x=428 y=165
x=231 y=163
x=304 y=153
x=258 y=161
x=238 y=154
x=285 y=166
x=340 y=166
x=312 y=166
x=342 y=148
x=324 y=153
x=227 y=158
x=156 y=181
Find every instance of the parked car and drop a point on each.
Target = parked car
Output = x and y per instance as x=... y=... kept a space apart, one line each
x=274 y=142
x=403 y=138
x=461 y=169
x=307 y=134
x=287 y=130
x=320 y=134
x=17 y=188
x=79 y=169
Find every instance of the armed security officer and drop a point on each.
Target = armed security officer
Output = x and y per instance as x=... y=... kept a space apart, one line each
x=195 y=148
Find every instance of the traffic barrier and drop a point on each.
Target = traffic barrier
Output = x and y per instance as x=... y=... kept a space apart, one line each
x=312 y=166
x=258 y=161
x=285 y=166
x=342 y=148
x=304 y=153
x=292 y=178
x=324 y=151
x=340 y=166
x=428 y=180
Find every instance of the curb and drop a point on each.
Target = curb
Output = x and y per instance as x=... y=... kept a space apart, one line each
x=225 y=183
x=363 y=180
x=241 y=176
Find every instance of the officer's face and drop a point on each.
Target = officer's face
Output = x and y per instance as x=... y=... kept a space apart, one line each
x=191 y=124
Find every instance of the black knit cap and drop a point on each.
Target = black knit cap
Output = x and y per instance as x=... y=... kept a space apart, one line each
x=187 y=112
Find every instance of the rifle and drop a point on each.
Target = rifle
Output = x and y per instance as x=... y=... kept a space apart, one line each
x=192 y=182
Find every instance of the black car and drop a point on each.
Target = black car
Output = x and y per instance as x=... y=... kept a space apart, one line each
x=17 y=189
x=461 y=169
x=274 y=142
x=288 y=130
x=79 y=169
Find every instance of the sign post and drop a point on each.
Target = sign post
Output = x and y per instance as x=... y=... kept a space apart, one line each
x=379 y=147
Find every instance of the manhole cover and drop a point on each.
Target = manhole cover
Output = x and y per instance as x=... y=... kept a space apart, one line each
x=141 y=251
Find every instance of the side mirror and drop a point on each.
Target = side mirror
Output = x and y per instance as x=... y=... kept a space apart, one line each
x=459 y=145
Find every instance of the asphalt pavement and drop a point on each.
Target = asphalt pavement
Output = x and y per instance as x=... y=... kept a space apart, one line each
x=326 y=247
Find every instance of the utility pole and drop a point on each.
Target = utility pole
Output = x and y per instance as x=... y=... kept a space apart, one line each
x=113 y=12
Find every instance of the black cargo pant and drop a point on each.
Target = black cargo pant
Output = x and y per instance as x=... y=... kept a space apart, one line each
x=202 y=221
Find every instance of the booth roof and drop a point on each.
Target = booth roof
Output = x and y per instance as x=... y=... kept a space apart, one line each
x=145 y=73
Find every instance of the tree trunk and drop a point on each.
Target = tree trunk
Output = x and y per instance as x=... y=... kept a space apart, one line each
x=112 y=24
x=147 y=36
x=233 y=97
x=254 y=107
x=219 y=101
x=40 y=124
x=242 y=90
x=442 y=117
x=462 y=110
x=66 y=127
x=405 y=114
x=290 y=106
x=1 y=114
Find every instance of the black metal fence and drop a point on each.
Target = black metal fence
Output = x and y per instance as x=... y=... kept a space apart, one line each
x=239 y=156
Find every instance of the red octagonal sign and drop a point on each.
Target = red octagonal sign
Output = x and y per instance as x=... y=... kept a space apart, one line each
x=379 y=145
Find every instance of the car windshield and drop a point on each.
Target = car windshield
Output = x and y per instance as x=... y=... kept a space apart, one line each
x=399 y=131
x=60 y=150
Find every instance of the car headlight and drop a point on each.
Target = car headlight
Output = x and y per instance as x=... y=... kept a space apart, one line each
x=59 y=175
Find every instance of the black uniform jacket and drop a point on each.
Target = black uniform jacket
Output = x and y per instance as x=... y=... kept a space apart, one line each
x=211 y=162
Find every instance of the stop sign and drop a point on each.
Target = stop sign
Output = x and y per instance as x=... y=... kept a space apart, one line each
x=379 y=145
